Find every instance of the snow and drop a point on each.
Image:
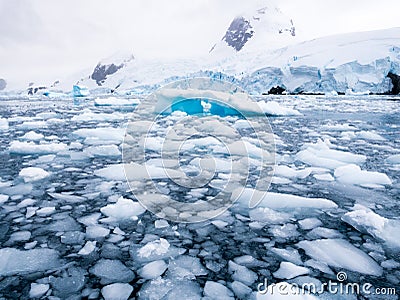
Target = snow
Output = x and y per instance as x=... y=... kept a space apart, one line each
x=124 y=209
x=339 y=253
x=278 y=201
x=32 y=174
x=153 y=270
x=14 y=261
x=117 y=291
x=215 y=290
x=288 y=270
x=113 y=101
x=367 y=221
x=18 y=147
x=38 y=290
x=394 y=159
x=320 y=154
x=352 y=174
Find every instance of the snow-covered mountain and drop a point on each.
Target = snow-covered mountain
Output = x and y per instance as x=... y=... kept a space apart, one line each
x=261 y=28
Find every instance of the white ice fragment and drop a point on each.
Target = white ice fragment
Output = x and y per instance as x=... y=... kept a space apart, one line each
x=275 y=109
x=324 y=177
x=3 y=198
x=310 y=223
x=248 y=196
x=291 y=255
x=102 y=151
x=3 y=124
x=288 y=270
x=161 y=224
x=339 y=253
x=368 y=135
x=394 y=159
x=32 y=136
x=157 y=247
x=46 y=211
x=117 y=291
x=38 y=290
x=153 y=269
x=113 y=101
x=242 y=274
x=352 y=174
x=320 y=155
x=14 y=261
x=122 y=210
x=215 y=290
x=89 y=247
x=32 y=174
x=32 y=148
x=285 y=171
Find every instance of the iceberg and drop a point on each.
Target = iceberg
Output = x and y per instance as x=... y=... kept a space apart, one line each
x=80 y=91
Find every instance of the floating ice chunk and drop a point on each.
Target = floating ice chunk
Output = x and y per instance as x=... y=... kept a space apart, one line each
x=153 y=270
x=46 y=211
x=32 y=148
x=242 y=274
x=219 y=224
x=17 y=262
x=170 y=289
x=310 y=223
x=241 y=290
x=390 y=264
x=111 y=271
x=32 y=174
x=268 y=216
x=215 y=290
x=320 y=155
x=288 y=270
x=102 y=151
x=278 y=201
x=352 y=174
x=135 y=172
x=113 y=101
x=101 y=134
x=365 y=220
x=96 y=232
x=368 y=135
x=38 y=290
x=3 y=198
x=33 y=124
x=273 y=108
x=291 y=255
x=161 y=223
x=324 y=177
x=117 y=291
x=32 y=136
x=89 y=247
x=339 y=127
x=321 y=232
x=157 y=247
x=124 y=209
x=88 y=116
x=282 y=291
x=394 y=159
x=3 y=124
x=185 y=266
x=341 y=254
x=285 y=171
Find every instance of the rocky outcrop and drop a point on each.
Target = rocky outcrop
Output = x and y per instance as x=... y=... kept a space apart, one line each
x=238 y=33
x=395 y=82
x=101 y=72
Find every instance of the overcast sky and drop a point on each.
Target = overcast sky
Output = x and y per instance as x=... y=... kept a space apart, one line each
x=43 y=39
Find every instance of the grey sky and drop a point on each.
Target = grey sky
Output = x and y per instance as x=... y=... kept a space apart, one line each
x=43 y=39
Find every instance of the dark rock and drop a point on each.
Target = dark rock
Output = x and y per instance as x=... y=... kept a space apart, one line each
x=277 y=90
x=101 y=72
x=238 y=33
x=396 y=83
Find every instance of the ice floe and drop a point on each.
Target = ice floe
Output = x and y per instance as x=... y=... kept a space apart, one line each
x=124 y=209
x=352 y=174
x=18 y=147
x=32 y=174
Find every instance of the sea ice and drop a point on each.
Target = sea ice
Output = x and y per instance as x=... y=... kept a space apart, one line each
x=32 y=148
x=394 y=159
x=352 y=174
x=273 y=108
x=341 y=254
x=283 y=291
x=3 y=124
x=288 y=270
x=14 y=261
x=113 y=101
x=102 y=151
x=32 y=174
x=32 y=136
x=38 y=290
x=124 y=209
x=215 y=290
x=111 y=271
x=153 y=269
x=117 y=291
